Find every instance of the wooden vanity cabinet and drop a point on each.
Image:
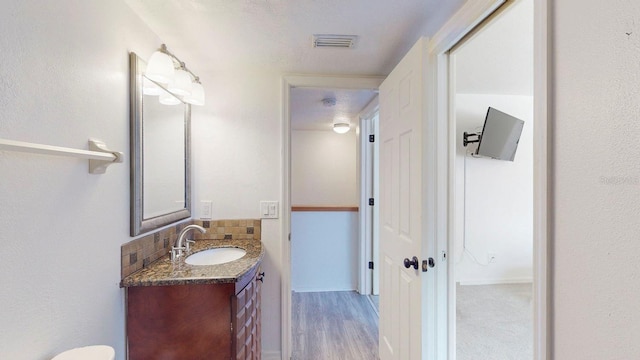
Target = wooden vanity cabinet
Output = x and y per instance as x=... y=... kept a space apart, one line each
x=245 y=306
x=195 y=321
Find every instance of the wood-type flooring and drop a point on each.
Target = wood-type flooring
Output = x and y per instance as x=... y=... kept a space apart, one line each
x=494 y=322
x=334 y=326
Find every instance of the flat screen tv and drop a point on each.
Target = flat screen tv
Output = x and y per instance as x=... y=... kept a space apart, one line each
x=500 y=135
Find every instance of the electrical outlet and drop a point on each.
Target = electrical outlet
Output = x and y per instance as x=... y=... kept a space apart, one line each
x=491 y=257
x=205 y=207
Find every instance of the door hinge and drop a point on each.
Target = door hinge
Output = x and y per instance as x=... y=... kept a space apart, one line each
x=289 y=236
x=372 y=138
x=371 y=265
x=371 y=202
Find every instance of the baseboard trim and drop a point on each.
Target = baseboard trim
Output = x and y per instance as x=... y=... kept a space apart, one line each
x=496 y=281
x=271 y=355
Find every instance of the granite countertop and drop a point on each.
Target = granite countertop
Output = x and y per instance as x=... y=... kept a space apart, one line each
x=166 y=272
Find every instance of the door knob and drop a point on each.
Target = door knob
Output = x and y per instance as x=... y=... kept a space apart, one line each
x=413 y=262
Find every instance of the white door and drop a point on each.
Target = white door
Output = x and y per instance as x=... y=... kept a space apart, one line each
x=402 y=115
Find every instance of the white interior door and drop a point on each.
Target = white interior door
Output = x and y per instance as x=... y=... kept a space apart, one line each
x=401 y=202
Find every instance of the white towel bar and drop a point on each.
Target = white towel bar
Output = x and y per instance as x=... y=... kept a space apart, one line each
x=98 y=155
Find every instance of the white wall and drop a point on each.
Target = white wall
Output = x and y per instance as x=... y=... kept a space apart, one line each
x=498 y=197
x=323 y=168
x=324 y=251
x=64 y=78
x=237 y=152
x=596 y=179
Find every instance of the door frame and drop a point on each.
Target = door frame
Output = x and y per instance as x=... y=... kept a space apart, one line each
x=441 y=112
x=367 y=217
x=289 y=82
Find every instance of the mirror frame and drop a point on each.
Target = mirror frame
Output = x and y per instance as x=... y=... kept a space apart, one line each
x=139 y=224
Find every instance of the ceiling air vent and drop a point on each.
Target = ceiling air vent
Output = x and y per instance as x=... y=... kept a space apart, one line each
x=334 y=41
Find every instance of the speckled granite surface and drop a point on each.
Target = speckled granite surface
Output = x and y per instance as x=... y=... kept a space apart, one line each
x=166 y=272
x=139 y=253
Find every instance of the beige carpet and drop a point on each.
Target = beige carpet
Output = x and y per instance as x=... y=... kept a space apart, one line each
x=494 y=322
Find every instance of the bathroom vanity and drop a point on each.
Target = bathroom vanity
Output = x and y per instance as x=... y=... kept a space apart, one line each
x=181 y=311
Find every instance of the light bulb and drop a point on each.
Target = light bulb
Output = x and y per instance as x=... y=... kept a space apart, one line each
x=149 y=87
x=160 y=68
x=341 y=125
x=168 y=99
x=181 y=84
x=197 y=95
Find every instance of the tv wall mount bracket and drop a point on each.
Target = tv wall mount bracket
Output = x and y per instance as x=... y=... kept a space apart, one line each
x=466 y=138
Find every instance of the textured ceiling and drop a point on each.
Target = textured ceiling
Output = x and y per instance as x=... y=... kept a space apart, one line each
x=309 y=113
x=275 y=35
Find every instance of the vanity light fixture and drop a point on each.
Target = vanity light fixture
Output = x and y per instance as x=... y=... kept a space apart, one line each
x=167 y=98
x=166 y=68
x=181 y=84
x=160 y=67
x=197 y=94
x=341 y=125
x=150 y=88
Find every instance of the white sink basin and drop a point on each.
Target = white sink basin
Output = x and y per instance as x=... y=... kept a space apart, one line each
x=215 y=256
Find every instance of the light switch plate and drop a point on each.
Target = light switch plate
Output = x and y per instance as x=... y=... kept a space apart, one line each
x=269 y=209
x=205 y=207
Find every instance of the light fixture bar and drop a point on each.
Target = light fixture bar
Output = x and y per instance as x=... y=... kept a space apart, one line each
x=163 y=48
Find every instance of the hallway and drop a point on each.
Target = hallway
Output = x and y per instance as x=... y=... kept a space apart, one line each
x=334 y=326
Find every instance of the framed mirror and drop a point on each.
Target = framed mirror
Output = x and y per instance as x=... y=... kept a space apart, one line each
x=160 y=153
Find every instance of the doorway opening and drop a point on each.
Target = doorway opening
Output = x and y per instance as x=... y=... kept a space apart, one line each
x=441 y=341
x=322 y=192
x=492 y=220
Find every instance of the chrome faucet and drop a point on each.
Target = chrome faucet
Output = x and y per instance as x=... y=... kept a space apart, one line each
x=176 y=251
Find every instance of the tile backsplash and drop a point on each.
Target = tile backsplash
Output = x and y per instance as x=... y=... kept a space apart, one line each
x=139 y=253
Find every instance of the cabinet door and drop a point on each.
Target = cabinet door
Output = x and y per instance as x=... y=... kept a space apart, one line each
x=246 y=321
x=179 y=322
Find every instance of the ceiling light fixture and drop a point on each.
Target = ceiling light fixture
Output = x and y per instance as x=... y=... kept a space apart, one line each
x=182 y=83
x=341 y=125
